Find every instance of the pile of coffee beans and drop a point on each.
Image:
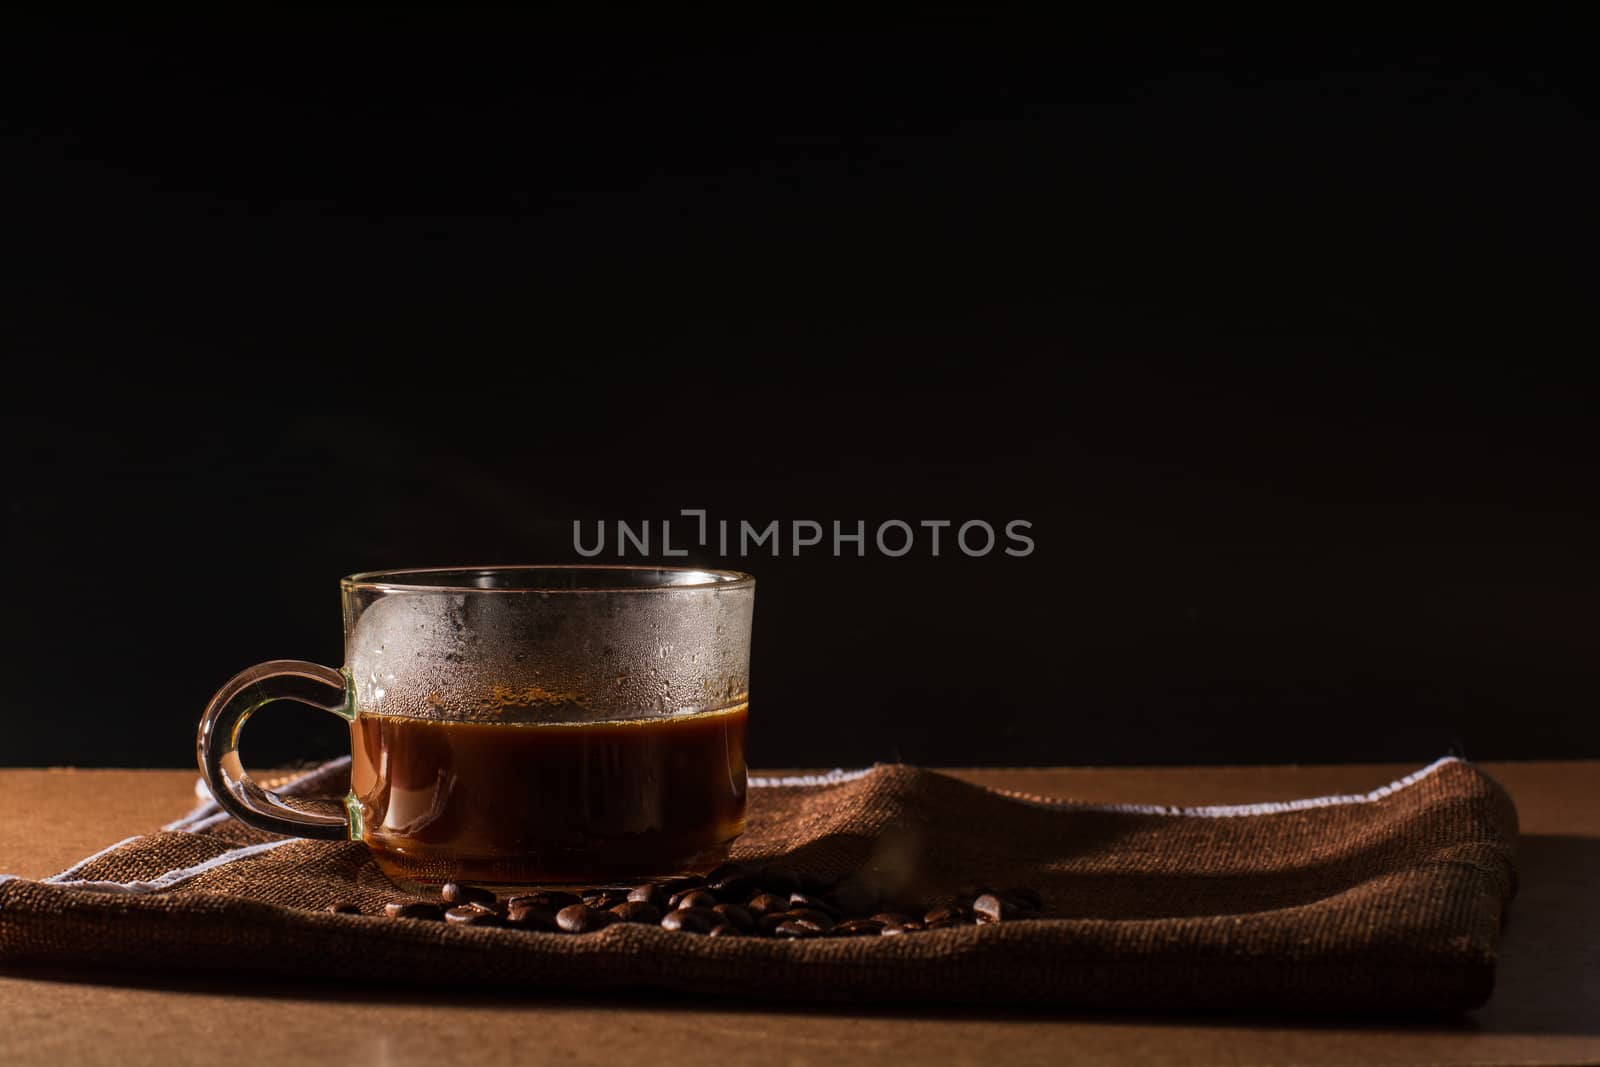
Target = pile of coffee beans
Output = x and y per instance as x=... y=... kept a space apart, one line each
x=731 y=901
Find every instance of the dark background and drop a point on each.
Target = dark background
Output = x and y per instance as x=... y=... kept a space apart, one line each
x=1281 y=344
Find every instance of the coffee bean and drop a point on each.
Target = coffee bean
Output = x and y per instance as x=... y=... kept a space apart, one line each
x=471 y=915
x=653 y=894
x=804 y=900
x=344 y=907
x=581 y=919
x=731 y=880
x=460 y=893
x=767 y=904
x=637 y=911
x=991 y=909
x=771 y=921
x=691 y=920
x=902 y=928
x=961 y=907
x=554 y=899
x=529 y=917
x=724 y=871
x=796 y=929
x=413 y=909
x=673 y=886
x=528 y=913
x=694 y=898
x=820 y=919
x=779 y=900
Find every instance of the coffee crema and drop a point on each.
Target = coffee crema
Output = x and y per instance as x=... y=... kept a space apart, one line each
x=518 y=803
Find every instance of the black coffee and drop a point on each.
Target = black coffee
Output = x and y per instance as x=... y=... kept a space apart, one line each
x=531 y=803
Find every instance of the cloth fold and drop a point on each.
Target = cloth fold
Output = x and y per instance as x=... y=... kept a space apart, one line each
x=1381 y=903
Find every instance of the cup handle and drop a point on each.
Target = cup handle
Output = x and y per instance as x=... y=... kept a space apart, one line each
x=218 y=747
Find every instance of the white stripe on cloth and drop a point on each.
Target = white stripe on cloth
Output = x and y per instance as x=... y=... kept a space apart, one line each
x=1232 y=811
x=170 y=878
x=209 y=814
x=833 y=777
x=81 y=864
x=1210 y=811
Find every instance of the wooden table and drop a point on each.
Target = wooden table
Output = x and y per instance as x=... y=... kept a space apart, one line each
x=1546 y=1008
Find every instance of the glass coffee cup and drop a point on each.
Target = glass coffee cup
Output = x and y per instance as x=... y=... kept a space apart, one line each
x=519 y=726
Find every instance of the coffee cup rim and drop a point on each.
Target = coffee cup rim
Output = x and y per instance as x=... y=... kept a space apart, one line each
x=414 y=579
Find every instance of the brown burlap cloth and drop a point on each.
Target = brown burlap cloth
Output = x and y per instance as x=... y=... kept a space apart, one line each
x=1382 y=903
